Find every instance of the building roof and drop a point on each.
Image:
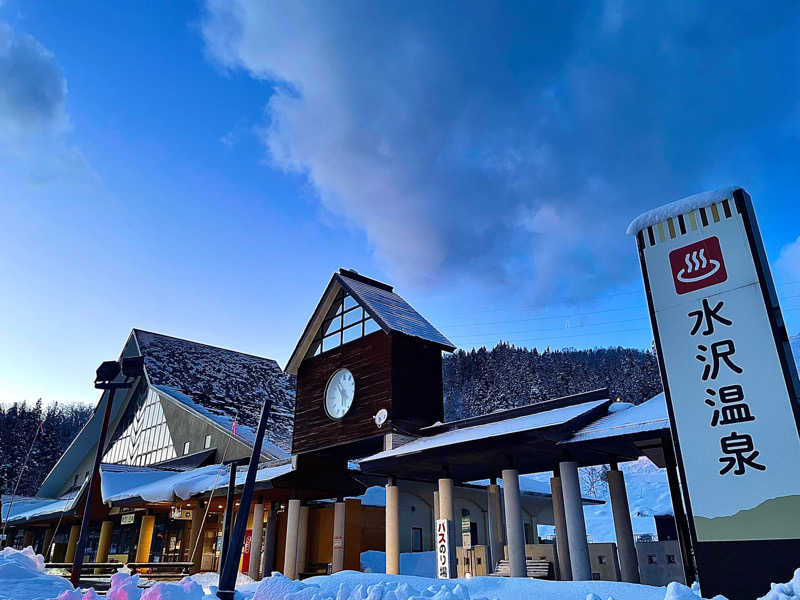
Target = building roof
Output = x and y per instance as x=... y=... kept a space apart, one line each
x=214 y=382
x=624 y=419
x=26 y=508
x=388 y=309
x=119 y=486
x=221 y=383
x=485 y=431
x=481 y=447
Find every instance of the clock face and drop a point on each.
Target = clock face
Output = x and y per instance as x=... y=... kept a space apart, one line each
x=339 y=393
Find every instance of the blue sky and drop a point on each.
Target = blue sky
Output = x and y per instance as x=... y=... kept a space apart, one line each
x=200 y=169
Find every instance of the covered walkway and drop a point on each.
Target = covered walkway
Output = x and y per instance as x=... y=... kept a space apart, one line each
x=559 y=436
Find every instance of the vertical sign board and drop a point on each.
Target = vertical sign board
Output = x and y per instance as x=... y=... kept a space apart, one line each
x=731 y=387
x=445 y=550
x=466 y=533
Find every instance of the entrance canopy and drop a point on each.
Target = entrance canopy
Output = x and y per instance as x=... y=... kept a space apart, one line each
x=585 y=428
x=625 y=433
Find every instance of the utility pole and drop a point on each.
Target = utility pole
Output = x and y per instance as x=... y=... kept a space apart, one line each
x=227 y=581
x=107 y=373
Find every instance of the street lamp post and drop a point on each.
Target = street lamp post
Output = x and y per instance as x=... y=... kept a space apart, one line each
x=227 y=580
x=107 y=374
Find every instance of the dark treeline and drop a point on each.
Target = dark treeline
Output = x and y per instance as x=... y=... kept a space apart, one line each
x=18 y=425
x=481 y=381
x=475 y=382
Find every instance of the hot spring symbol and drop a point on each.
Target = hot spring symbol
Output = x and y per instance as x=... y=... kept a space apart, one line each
x=697 y=265
x=696 y=268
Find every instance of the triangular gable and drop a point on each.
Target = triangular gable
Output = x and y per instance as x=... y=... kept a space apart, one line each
x=86 y=441
x=352 y=306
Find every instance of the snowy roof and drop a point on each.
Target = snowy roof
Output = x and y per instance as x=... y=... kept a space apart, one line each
x=647 y=416
x=220 y=383
x=389 y=310
x=679 y=207
x=244 y=432
x=26 y=508
x=530 y=422
x=154 y=485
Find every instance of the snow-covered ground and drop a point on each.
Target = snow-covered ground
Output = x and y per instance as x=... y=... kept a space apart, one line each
x=23 y=577
x=648 y=495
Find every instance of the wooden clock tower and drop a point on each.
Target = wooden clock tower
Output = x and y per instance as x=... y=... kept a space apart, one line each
x=369 y=371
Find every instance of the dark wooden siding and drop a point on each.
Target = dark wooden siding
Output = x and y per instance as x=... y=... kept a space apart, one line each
x=416 y=382
x=369 y=359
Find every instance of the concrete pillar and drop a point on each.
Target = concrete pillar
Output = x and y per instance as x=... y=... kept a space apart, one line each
x=104 y=543
x=392 y=528
x=145 y=538
x=196 y=555
x=628 y=560
x=436 y=513
x=446 y=508
x=560 y=520
x=74 y=532
x=495 y=525
x=270 y=540
x=337 y=560
x=292 y=525
x=576 y=525
x=515 y=533
x=27 y=538
x=302 y=541
x=256 y=540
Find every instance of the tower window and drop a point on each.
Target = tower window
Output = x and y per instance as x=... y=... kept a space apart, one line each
x=346 y=321
x=186 y=447
x=207 y=444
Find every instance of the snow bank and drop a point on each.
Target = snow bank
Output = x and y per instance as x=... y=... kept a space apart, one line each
x=784 y=591
x=419 y=564
x=22 y=576
x=126 y=587
x=210 y=581
x=349 y=585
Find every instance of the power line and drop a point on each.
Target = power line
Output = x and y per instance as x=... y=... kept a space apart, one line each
x=522 y=331
x=544 y=318
x=567 y=316
x=487 y=309
x=548 y=338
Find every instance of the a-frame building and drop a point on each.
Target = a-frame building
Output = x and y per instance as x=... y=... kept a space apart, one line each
x=181 y=413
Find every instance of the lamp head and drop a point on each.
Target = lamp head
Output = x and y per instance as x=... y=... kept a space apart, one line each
x=133 y=366
x=107 y=371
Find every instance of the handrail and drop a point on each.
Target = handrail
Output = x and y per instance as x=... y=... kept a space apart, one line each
x=157 y=566
x=88 y=565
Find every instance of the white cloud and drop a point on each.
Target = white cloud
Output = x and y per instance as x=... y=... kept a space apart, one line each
x=510 y=146
x=33 y=118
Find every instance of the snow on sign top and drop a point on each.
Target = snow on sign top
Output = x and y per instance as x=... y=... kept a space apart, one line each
x=679 y=207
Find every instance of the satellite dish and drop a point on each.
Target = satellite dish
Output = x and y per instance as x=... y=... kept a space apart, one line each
x=380 y=417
